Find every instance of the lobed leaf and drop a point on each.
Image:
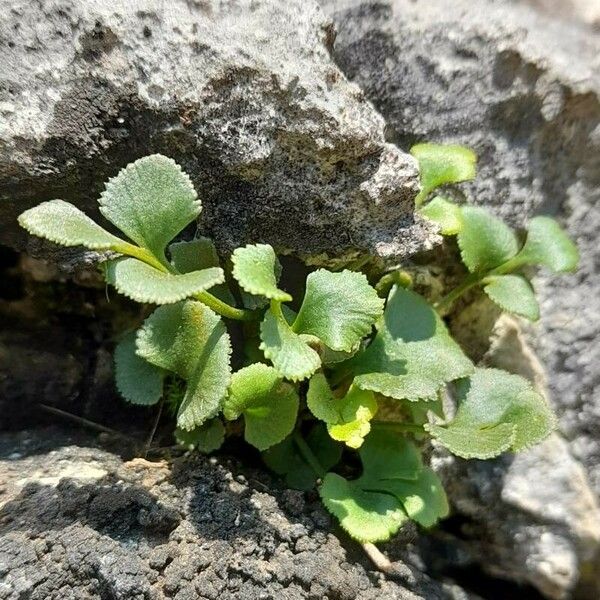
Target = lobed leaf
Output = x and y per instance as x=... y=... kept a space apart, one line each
x=393 y=486
x=151 y=200
x=138 y=381
x=269 y=405
x=143 y=283
x=206 y=439
x=485 y=241
x=347 y=418
x=289 y=352
x=367 y=516
x=285 y=459
x=440 y=164
x=446 y=214
x=338 y=308
x=190 y=340
x=64 y=224
x=547 y=244
x=514 y=294
x=412 y=355
x=197 y=255
x=497 y=411
x=257 y=270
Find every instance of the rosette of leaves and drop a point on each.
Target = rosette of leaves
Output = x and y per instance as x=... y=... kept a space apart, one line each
x=337 y=311
x=490 y=250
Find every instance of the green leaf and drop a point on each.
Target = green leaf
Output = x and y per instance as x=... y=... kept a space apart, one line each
x=190 y=340
x=257 y=270
x=412 y=355
x=496 y=412
x=424 y=499
x=285 y=459
x=138 y=381
x=440 y=164
x=143 y=283
x=62 y=223
x=514 y=294
x=348 y=418
x=269 y=404
x=485 y=241
x=206 y=439
x=289 y=352
x=547 y=244
x=338 y=308
x=366 y=516
x=446 y=214
x=197 y=255
x=370 y=508
x=151 y=200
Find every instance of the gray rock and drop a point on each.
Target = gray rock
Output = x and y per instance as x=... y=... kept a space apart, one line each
x=79 y=522
x=523 y=90
x=282 y=148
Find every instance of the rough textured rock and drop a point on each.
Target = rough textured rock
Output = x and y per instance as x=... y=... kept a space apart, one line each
x=77 y=522
x=244 y=94
x=523 y=90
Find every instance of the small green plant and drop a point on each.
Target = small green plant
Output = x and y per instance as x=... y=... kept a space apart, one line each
x=318 y=377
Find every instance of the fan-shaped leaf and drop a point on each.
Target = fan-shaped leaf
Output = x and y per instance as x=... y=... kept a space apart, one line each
x=393 y=484
x=257 y=270
x=138 y=381
x=151 y=200
x=62 y=223
x=348 y=418
x=285 y=459
x=269 y=404
x=190 y=340
x=514 y=294
x=197 y=255
x=446 y=214
x=496 y=411
x=338 y=308
x=206 y=439
x=412 y=355
x=289 y=352
x=547 y=244
x=485 y=241
x=440 y=164
x=143 y=283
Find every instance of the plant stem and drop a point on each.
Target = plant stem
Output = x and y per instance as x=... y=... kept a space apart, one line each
x=309 y=456
x=449 y=299
x=154 y=427
x=86 y=422
x=223 y=309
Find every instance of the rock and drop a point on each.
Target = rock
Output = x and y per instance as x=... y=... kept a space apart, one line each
x=532 y=517
x=244 y=95
x=503 y=79
x=79 y=522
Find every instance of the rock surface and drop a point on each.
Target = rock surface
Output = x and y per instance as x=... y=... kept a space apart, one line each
x=503 y=79
x=78 y=522
x=243 y=94
x=522 y=88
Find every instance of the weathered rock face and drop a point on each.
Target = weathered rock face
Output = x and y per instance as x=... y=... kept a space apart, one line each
x=522 y=89
x=78 y=522
x=282 y=148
